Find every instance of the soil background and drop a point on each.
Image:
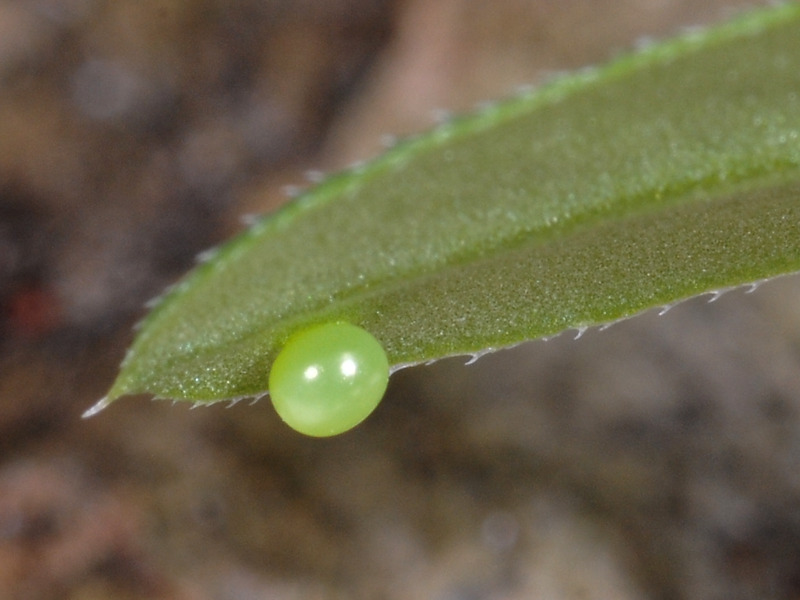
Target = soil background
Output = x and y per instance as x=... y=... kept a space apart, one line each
x=655 y=459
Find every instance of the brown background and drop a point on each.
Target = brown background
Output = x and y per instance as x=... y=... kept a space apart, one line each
x=657 y=459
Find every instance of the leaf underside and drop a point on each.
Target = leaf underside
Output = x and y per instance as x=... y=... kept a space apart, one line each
x=666 y=174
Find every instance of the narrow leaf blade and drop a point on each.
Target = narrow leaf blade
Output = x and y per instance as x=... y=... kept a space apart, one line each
x=666 y=174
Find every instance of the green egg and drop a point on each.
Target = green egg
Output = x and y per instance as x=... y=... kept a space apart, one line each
x=328 y=379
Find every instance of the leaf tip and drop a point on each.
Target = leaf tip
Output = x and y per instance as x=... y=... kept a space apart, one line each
x=97 y=407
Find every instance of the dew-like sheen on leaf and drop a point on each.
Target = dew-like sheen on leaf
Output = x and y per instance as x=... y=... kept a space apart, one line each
x=667 y=173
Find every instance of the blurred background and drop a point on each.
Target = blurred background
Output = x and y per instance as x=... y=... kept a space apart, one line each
x=656 y=459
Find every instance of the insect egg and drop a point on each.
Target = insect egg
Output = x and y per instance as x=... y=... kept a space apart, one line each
x=328 y=379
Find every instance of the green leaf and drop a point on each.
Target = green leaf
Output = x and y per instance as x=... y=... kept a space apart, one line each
x=667 y=173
